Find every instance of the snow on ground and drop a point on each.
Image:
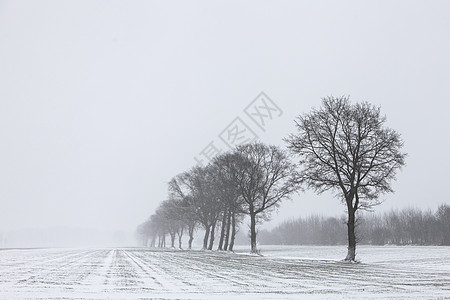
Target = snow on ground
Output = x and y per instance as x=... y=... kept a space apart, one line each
x=282 y=273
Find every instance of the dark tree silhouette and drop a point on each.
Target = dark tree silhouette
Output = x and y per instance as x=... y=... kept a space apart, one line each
x=264 y=176
x=443 y=217
x=346 y=147
x=179 y=191
x=204 y=200
x=229 y=194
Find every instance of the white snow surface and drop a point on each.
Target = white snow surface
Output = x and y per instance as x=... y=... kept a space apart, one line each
x=284 y=272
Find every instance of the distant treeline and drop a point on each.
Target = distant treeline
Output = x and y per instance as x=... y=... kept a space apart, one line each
x=408 y=226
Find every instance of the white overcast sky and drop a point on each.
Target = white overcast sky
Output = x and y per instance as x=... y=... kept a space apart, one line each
x=102 y=102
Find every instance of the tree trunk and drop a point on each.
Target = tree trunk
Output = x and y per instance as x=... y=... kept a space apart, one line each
x=253 y=233
x=351 y=234
x=222 y=230
x=180 y=235
x=211 y=241
x=227 y=234
x=233 y=231
x=172 y=239
x=191 y=237
x=205 y=239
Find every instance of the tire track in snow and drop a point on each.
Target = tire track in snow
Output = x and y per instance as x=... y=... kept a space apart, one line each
x=166 y=280
x=97 y=280
x=183 y=264
x=210 y=267
x=150 y=275
x=243 y=269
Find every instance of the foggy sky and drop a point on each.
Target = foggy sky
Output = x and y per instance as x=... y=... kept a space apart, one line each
x=101 y=103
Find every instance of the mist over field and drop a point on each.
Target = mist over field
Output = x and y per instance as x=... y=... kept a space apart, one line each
x=102 y=104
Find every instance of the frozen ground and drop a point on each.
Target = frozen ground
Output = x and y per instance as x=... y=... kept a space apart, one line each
x=284 y=272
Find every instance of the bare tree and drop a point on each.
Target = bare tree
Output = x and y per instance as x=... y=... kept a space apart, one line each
x=155 y=227
x=170 y=216
x=346 y=148
x=179 y=191
x=204 y=201
x=443 y=218
x=264 y=177
x=229 y=195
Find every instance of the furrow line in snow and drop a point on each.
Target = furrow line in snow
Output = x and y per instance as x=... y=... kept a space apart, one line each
x=155 y=272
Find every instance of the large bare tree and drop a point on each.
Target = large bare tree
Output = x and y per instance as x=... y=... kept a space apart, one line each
x=347 y=148
x=264 y=175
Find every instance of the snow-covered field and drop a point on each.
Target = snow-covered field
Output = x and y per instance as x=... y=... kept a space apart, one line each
x=284 y=272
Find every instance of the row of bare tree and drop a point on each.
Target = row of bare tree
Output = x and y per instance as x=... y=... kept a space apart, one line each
x=311 y=230
x=409 y=226
x=251 y=180
x=341 y=147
